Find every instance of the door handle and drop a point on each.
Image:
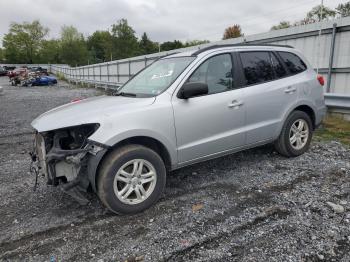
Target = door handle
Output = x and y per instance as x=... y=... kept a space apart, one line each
x=290 y=90
x=235 y=104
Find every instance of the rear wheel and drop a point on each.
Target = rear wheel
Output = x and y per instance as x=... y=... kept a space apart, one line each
x=296 y=135
x=131 y=179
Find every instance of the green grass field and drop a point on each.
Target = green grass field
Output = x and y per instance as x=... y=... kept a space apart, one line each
x=334 y=128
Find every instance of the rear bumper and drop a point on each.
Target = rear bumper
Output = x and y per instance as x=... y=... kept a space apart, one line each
x=320 y=114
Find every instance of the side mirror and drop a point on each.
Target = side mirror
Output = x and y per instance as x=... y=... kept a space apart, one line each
x=192 y=89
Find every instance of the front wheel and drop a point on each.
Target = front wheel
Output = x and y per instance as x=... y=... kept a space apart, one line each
x=296 y=135
x=131 y=179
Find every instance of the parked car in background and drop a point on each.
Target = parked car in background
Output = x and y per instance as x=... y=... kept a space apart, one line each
x=43 y=81
x=16 y=72
x=3 y=71
x=34 y=76
x=17 y=75
x=183 y=109
x=42 y=71
x=9 y=68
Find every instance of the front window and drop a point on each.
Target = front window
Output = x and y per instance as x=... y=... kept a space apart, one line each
x=216 y=72
x=156 y=78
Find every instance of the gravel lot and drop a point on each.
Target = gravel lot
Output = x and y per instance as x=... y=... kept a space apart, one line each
x=250 y=206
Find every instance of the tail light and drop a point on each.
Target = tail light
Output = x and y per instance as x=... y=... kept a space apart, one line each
x=320 y=80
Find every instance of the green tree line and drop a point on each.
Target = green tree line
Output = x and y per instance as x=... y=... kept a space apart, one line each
x=28 y=43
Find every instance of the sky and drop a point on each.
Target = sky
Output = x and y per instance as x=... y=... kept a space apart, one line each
x=162 y=20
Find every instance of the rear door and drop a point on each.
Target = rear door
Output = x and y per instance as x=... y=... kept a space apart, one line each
x=267 y=94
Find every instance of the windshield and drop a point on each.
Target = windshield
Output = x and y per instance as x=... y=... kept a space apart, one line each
x=156 y=78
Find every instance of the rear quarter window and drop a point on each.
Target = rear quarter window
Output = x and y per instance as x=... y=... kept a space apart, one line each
x=293 y=62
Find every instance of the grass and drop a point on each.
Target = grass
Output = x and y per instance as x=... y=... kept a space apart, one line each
x=60 y=76
x=334 y=128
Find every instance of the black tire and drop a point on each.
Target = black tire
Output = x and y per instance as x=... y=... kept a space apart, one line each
x=283 y=144
x=109 y=168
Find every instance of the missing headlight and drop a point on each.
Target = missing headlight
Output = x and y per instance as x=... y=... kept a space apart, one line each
x=63 y=156
x=76 y=137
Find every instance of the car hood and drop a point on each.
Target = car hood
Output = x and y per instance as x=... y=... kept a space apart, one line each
x=86 y=111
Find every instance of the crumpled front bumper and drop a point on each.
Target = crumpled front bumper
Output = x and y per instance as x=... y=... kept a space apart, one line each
x=74 y=170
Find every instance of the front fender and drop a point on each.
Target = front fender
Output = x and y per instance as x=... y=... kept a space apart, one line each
x=92 y=166
x=168 y=144
x=94 y=161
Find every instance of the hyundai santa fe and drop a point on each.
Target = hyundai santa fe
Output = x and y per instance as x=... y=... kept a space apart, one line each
x=182 y=109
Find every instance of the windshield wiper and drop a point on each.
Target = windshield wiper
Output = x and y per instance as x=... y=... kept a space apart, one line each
x=125 y=94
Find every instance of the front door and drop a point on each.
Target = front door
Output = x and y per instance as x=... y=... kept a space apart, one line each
x=213 y=123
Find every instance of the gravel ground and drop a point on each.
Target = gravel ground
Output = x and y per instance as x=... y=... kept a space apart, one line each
x=251 y=206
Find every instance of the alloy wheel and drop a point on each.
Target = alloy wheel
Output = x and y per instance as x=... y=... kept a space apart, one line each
x=135 y=181
x=299 y=134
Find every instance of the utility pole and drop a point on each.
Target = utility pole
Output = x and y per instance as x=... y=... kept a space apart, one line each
x=319 y=38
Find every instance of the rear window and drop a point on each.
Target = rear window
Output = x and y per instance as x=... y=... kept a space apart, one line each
x=293 y=62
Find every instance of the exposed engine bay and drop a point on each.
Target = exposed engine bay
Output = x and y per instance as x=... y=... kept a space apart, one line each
x=66 y=157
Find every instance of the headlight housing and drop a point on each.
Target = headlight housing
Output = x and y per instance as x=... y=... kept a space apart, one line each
x=70 y=138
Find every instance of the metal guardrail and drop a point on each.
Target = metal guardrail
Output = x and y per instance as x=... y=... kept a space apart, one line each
x=97 y=83
x=338 y=101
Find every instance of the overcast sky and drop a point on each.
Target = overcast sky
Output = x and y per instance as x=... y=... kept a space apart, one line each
x=162 y=19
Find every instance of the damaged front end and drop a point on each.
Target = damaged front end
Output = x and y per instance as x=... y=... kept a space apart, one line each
x=67 y=158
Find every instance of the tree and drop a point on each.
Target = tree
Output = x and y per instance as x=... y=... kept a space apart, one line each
x=1 y=55
x=147 y=46
x=196 y=42
x=166 y=46
x=12 y=53
x=232 y=32
x=23 y=41
x=50 y=52
x=125 y=42
x=343 y=9
x=316 y=11
x=314 y=15
x=281 y=25
x=100 y=45
x=73 y=47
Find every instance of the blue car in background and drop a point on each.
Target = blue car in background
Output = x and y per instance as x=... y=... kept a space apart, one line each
x=43 y=81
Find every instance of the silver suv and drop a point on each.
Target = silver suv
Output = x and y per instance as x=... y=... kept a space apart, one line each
x=183 y=109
